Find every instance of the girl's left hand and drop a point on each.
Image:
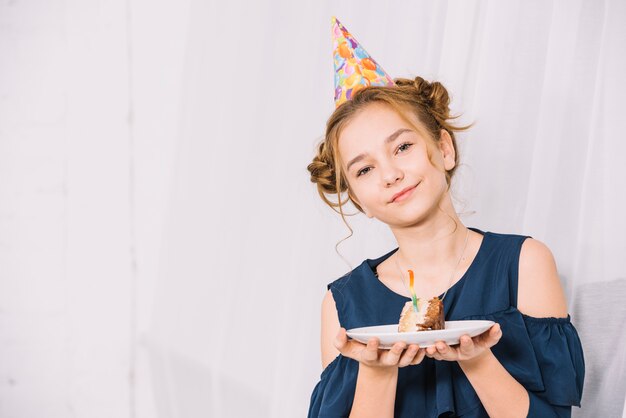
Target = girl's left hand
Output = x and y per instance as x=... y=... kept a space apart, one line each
x=468 y=349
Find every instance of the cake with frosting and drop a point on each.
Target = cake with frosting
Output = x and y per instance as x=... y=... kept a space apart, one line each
x=423 y=317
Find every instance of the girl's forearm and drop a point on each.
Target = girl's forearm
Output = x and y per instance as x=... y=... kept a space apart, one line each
x=375 y=394
x=499 y=392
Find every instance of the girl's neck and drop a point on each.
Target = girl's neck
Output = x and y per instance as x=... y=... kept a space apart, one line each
x=433 y=246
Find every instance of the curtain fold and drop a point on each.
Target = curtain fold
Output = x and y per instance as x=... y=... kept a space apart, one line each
x=250 y=246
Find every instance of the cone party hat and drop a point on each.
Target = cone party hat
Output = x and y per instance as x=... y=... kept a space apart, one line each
x=355 y=69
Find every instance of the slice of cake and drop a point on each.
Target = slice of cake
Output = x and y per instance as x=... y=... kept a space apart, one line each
x=428 y=317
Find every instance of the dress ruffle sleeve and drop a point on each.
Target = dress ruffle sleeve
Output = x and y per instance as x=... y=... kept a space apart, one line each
x=334 y=393
x=543 y=354
x=560 y=356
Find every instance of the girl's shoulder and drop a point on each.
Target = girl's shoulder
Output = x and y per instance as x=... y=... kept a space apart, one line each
x=503 y=241
x=345 y=280
x=537 y=288
x=502 y=237
x=540 y=293
x=363 y=272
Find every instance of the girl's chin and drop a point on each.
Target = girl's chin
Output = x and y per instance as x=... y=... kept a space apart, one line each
x=409 y=218
x=406 y=222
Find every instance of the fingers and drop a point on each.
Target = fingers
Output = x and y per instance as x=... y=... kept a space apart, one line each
x=495 y=333
x=370 y=354
x=439 y=351
x=348 y=348
x=341 y=340
x=412 y=355
x=408 y=357
x=392 y=357
x=419 y=357
x=466 y=346
x=490 y=337
x=442 y=351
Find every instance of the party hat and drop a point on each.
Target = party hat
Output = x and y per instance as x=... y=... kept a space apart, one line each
x=355 y=69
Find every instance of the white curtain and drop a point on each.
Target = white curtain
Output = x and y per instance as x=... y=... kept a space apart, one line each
x=249 y=247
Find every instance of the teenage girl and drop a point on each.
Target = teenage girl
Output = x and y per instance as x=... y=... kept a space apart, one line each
x=391 y=152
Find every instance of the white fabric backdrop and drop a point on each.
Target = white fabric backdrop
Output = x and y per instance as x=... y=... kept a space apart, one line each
x=94 y=96
x=249 y=247
x=231 y=327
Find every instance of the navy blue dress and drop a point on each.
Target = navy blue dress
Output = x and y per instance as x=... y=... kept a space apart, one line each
x=542 y=354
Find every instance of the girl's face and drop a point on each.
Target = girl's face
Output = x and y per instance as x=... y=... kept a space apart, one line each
x=388 y=169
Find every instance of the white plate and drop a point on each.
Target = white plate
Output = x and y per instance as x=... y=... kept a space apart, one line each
x=388 y=334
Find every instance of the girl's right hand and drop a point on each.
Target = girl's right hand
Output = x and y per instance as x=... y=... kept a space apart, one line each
x=370 y=355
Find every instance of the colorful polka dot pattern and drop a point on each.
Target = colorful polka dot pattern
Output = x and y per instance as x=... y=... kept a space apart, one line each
x=355 y=69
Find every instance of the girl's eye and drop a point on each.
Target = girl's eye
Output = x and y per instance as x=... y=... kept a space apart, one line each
x=404 y=147
x=401 y=148
x=362 y=171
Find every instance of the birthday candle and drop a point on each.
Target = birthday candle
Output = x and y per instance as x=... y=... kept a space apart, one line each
x=413 y=295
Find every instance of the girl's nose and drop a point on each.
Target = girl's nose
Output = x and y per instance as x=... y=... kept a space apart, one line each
x=391 y=175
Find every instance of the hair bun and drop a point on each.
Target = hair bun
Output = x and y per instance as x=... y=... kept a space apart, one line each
x=323 y=172
x=433 y=95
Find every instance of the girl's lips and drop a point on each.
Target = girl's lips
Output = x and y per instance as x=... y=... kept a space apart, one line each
x=398 y=197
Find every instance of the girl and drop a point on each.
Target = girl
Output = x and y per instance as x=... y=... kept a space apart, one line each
x=391 y=151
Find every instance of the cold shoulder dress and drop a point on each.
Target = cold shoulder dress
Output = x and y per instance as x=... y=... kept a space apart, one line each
x=543 y=354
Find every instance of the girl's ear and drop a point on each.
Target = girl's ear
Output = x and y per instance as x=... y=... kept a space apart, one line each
x=447 y=150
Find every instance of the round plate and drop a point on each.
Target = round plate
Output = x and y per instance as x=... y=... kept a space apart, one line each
x=388 y=334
